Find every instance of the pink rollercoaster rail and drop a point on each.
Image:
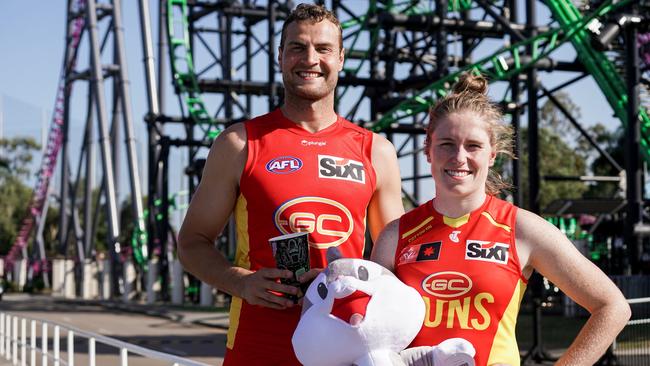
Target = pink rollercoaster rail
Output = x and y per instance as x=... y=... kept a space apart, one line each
x=54 y=139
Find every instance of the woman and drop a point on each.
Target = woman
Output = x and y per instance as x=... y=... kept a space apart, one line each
x=470 y=254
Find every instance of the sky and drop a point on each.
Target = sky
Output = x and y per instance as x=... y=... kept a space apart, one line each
x=32 y=42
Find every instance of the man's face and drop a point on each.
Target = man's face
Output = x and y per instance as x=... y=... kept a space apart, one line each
x=311 y=59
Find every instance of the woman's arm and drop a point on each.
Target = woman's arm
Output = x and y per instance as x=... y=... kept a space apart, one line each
x=553 y=255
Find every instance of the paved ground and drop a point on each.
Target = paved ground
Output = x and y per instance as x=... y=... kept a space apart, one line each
x=189 y=332
x=195 y=334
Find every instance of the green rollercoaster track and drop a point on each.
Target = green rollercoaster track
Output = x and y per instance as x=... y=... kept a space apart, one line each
x=183 y=71
x=601 y=68
x=357 y=24
x=508 y=61
x=502 y=65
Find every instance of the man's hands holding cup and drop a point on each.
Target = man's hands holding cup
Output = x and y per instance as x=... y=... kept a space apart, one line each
x=263 y=287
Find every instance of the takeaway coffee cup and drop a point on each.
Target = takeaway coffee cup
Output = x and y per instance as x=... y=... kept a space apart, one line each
x=291 y=251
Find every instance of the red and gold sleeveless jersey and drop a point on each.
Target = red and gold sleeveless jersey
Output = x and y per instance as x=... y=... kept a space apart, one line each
x=293 y=181
x=467 y=271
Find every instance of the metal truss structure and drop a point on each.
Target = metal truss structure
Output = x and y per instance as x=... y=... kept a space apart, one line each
x=400 y=57
x=96 y=28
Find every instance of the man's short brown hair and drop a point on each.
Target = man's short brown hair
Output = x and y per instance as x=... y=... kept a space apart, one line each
x=314 y=14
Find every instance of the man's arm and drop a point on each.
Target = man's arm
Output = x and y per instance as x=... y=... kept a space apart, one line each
x=207 y=215
x=386 y=203
x=383 y=252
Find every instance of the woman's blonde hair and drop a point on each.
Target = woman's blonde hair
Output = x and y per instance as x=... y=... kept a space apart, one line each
x=469 y=94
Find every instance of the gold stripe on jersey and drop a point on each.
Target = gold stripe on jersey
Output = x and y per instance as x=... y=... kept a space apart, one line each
x=241 y=260
x=494 y=222
x=235 y=311
x=504 y=347
x=420 y=226
x=456 y=222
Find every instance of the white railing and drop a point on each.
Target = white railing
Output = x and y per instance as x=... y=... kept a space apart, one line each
x=632 y=345
x=14 y=344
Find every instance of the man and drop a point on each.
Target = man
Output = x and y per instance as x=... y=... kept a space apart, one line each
x=299 y=168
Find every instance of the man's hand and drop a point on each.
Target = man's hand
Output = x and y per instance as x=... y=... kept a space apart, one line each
x=309 y=276
x=257 y=287
x=305 y=280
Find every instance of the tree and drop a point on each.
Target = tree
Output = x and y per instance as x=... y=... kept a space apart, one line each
x=15 y=156
x=613 y=143
x=560 y=153
x=556 y=158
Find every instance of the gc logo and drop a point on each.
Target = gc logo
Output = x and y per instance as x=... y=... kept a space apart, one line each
x=447 y=284
x=328 y=222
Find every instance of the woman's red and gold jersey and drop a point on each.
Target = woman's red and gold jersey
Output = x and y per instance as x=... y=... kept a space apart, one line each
x=294 y=181
x=467 y=271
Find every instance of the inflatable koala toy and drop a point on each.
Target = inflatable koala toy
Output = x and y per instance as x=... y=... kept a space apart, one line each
x=357 y=312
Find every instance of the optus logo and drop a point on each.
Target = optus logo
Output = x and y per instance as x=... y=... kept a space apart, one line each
x=328 y=222
x=447 y=284
x=284 y=165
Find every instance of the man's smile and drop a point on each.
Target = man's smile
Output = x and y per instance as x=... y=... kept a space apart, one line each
x=309 y=74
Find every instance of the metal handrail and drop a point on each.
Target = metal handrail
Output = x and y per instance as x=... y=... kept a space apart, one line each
x=10 y=342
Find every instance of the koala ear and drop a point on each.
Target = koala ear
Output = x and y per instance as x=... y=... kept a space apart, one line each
x=333 y=253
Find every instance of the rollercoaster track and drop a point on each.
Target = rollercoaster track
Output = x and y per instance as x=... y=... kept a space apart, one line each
x=508 y=61
x=54 y=144
x=501 y=65
x=183 y=71
x=54 y=141
x=602 y=69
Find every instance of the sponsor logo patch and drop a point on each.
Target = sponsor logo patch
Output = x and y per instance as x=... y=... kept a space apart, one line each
x=408 y=255
x=429 y=251
x=313 y=143
x=487 y=251
x=328 y=222
x=447 y=284
x=454 y=236
x=284 y=165
x=333 y=167
x=420 y=252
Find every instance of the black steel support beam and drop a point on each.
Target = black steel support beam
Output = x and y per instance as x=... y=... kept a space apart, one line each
x=431 y=23
x=633 y=169
x=580 y=129
x=237 y=86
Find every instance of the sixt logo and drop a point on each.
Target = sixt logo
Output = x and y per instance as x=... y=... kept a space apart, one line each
x=328 y=222
x=332 y=167
x=488 y=251
x=284 y=165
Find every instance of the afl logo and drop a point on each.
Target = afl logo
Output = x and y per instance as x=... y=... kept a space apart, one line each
x=328 y=222
x=447 y=284
x=284 y=165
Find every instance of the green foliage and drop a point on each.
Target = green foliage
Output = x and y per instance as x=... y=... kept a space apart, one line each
x=556 y=157
x=15 y=156
x=560 y=153
x=613 y=143
x=564 y=152
x=13 y=207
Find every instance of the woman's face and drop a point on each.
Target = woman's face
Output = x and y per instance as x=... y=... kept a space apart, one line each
x=460 y=155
